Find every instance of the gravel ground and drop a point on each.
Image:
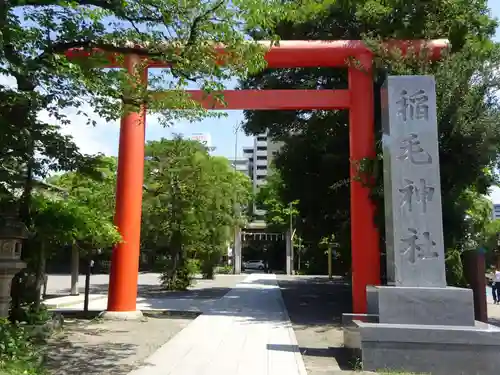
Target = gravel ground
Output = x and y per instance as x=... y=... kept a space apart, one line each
x=315 y=306
x=108 y=347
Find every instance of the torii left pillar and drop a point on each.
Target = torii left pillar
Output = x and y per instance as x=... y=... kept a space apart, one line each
x=123 y=278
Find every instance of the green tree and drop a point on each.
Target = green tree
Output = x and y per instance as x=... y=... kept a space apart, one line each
x=478 y=218
x=79 y=215
x=482 y=230
x=56 y=224
x=35 y=34
x=95 y=190
x=314 y=162
x=492 y=243
x=189 y=207
x=270 y=198
x=227 y=192
x=78 y=225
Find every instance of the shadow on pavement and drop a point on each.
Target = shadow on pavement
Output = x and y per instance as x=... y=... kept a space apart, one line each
x=315 y=306
x=108 y=347
x=315 y=300
x=494 y=321
x=201 y=288
x=340 y=355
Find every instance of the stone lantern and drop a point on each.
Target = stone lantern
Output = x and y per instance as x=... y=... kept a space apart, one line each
x=12 y=233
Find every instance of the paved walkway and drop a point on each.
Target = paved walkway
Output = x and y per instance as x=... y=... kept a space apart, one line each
x=200 y=296
x=246 y=332
x=100 y=303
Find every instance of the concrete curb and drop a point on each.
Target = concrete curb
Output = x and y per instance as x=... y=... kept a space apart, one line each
x=52 y=303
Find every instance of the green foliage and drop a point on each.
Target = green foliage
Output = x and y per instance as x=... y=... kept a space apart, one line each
x=76 y=222
x=454 y=268
x=314 y=163
x=179 y=277
x=86 y=213
x=482 y=230
x=278 y=212
x=19 y=355
x=32 y=314
x=36 y=33
x=190 y=207
x=478 y=220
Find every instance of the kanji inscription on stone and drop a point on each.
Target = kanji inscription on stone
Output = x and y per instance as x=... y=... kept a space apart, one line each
x=413 y=152
x=412 y=189
x=413 y=192
x=418 y=246
x=413 y=106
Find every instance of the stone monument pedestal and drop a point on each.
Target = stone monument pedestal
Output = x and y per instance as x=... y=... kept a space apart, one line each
x=427 y=306
x=423 y=330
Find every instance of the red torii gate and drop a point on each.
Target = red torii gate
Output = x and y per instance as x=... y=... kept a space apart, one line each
x=358 y=99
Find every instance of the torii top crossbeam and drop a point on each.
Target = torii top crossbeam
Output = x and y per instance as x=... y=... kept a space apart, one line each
x=306 y=54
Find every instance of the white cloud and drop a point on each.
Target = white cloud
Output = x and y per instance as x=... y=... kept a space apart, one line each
x=102 y=138
x=495 y=194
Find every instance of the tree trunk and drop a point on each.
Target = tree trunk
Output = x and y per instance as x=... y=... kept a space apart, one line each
x=87 y=286
x=75 y=263
x=40 y=276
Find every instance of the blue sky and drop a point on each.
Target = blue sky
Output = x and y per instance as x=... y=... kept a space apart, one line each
x=104 y=137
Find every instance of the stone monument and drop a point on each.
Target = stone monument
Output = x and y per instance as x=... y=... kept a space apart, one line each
x=12 y=233
x=420 y=324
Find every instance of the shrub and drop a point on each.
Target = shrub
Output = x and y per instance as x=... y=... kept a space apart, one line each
x=30 y=314
x=181 y=277
x=454 y=269
x=18 y=352
x=207 y=270
x=224 y=270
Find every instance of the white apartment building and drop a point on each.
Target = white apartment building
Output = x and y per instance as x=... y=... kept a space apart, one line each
x=260 y=157
x=242 y=165
x=496 y=211
x=265 y=150
x=260 y=165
